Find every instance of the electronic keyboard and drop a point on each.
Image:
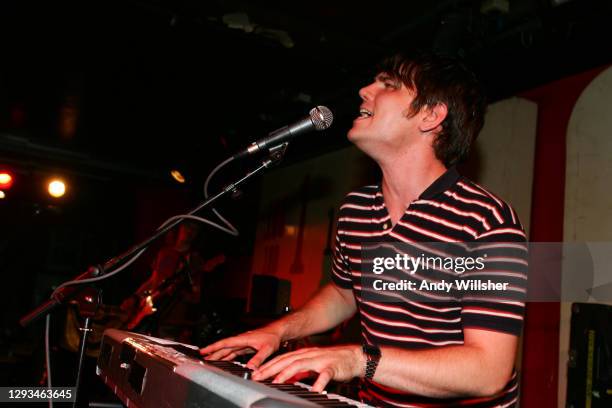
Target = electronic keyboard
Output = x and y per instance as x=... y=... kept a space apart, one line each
x=145 y=371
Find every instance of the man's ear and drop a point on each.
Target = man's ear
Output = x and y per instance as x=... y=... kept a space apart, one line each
x=432 y=117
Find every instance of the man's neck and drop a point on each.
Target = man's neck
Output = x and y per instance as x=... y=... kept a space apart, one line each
x=406 y=177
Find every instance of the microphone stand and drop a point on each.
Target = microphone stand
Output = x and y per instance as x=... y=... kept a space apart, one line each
x=88 y=304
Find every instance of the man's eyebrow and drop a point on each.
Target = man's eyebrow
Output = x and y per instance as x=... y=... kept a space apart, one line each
x=383 y=76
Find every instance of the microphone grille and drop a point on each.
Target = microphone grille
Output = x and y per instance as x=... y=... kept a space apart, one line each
x=321 y=117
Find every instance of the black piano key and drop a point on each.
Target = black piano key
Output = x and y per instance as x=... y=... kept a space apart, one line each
x=327 y=402
x=297 y=391
x=313 y=398
x=289 y=386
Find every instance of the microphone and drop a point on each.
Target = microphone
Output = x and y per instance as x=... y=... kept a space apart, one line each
x=319 y=118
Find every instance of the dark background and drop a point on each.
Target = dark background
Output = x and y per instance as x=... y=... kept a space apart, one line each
x=114 y=94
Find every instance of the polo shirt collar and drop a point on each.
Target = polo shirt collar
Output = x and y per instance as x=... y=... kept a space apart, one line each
x=441 y=184
x=448 y=179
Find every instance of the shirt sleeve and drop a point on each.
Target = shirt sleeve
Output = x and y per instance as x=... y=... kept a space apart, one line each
x=495 y=299
x=341 y=275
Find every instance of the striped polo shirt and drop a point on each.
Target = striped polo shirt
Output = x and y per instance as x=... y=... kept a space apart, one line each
x=452 y=209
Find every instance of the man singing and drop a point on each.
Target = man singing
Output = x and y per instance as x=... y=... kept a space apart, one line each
x=417 y=120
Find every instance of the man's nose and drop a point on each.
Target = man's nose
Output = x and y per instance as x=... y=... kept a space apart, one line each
x=366 y=92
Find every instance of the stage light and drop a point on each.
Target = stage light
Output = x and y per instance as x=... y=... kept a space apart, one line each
x=6 y=180
x=2 y=195
x=56 y=188
x=177 y=176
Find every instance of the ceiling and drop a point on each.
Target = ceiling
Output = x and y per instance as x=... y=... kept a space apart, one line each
x=107 y=88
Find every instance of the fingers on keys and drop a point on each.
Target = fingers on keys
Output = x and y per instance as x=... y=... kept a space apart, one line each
x=261 y=355
x=279 y=363
x=223 y=348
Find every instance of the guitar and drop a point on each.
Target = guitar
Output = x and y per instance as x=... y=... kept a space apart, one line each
x=148 y=299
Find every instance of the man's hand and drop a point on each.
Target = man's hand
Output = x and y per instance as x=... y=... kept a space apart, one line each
x=263 y=342
x=340 y=363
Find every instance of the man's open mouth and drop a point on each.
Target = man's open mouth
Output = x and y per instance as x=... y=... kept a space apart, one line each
x=364 y=113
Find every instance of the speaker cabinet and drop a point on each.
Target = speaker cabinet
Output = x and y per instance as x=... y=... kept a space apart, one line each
x=589 y=371
x=270 y=296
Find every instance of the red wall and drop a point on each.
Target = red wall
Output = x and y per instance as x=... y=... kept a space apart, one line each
x=541 y=335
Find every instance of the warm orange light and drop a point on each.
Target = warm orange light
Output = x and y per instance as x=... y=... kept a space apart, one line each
x=56 y=188
x=177 y=176
x=6 y=180
x=2 y=195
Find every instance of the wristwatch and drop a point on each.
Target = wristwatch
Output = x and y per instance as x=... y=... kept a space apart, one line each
x=372 y=354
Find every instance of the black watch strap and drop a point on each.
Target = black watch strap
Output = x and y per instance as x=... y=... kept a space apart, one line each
x=372 y=354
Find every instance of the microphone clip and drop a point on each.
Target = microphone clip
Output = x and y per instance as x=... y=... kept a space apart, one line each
x=275 y=155
x=278 y=152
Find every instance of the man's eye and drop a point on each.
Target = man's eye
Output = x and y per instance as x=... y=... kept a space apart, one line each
x=389 y=84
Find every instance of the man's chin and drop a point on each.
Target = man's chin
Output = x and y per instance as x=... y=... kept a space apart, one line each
x=359 y=141
x=352 y=135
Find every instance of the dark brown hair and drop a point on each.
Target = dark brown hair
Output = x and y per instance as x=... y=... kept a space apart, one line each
x=443 y=80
